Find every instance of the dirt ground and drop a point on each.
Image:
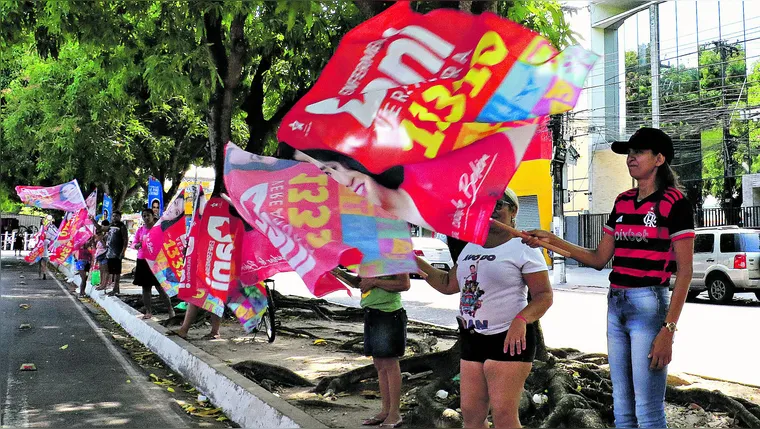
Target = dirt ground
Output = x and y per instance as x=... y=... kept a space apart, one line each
x=312 y=348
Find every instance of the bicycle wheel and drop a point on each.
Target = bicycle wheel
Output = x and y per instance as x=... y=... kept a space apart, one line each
x=269 y=318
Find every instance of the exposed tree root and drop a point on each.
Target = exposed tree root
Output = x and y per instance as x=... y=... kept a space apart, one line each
x=260 y=371
x=443 y=364
x=716 y=401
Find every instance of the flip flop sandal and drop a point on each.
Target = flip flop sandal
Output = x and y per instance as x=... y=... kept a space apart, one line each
x=372 y=421
x=398 y=424
x=211 y=337
x=171 y=332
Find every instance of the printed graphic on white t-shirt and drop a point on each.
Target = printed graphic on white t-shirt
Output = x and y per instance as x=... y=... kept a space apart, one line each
x=492 y=289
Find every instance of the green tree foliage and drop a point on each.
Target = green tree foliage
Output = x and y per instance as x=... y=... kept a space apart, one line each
x=120 y=89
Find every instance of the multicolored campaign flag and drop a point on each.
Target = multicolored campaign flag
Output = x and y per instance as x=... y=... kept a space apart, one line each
x=315 y=223
x=165 y=243
x=74 y=232
x=409 y=99
x=39 y=248
x=248 y=303
x=67 y=196
x=155 y=196
x=107 y=207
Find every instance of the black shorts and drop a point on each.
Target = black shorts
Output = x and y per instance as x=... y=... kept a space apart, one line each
x=143 y=275
x=384 y=333
x=481 y=347
x=114 y=265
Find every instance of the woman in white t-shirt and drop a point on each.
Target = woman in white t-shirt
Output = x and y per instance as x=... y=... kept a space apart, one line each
x=497 y=335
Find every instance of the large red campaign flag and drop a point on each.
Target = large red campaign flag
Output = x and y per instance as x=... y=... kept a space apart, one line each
x=216 y=249
x=405 y=89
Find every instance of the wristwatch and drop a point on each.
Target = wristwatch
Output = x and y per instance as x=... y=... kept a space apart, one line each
x=670 y=326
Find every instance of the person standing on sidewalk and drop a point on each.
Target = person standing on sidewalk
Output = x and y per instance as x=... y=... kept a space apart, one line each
x=385 y=340
x=649 y=236
x=496 y=331
x=84 y=263
x=144 y=277
x=118 y=240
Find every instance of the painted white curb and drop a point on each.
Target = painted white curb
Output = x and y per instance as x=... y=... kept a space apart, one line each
x=242 y=400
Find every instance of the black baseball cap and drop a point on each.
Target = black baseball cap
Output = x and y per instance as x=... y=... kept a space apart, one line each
x=647 y=138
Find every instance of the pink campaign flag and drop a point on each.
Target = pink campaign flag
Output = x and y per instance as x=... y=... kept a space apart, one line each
x=315 y=223
x=67 y=196
x=92 y=204
x=74 y=233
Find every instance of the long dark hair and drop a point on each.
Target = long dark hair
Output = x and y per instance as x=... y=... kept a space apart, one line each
x=391 y=178
x=667 y=178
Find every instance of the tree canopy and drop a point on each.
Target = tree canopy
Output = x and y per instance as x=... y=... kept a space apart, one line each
x=114 y=91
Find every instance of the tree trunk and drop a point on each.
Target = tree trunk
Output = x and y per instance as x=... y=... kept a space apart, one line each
x=229 y=68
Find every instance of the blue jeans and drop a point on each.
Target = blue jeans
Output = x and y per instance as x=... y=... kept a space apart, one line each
x=634 y=318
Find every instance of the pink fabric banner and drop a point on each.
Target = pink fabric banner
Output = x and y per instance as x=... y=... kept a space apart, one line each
x=310 y=218
x=67 y=196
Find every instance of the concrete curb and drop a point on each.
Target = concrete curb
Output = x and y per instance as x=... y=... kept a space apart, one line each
x=242 y=400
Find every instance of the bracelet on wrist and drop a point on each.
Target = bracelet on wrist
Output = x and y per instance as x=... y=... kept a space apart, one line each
x=519 y=316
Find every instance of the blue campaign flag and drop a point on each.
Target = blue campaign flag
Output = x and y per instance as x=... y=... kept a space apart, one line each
x=155 y=196
x=107 y=207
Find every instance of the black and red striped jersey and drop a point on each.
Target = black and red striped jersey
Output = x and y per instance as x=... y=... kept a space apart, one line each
x=644 y=232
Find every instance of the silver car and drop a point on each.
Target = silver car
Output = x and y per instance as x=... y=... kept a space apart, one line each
x=434 y=251
x=726 y=261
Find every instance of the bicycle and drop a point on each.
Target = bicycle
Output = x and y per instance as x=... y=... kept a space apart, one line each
x=268 y=320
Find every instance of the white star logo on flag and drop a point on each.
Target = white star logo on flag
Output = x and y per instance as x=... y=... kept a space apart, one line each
x=295 y=126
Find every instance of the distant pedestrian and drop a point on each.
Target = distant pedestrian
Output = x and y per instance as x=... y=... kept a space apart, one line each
x=18 y=243
x=649 y=236
x=45 y=257
x=144 y=277
x=101 y=249
x=385 y=340
x=84 y=263
x=118 y=241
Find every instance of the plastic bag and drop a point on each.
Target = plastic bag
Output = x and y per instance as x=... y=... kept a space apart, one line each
x=95 y=278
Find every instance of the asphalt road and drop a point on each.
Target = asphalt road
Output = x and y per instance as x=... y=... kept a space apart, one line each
x=82 y=385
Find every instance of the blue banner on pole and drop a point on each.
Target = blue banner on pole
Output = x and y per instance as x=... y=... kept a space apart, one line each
x=107 y=207
x=155 y=196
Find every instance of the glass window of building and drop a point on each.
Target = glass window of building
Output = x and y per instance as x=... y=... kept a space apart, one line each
x=731 y=21
x=668 y=25
x=686 y=25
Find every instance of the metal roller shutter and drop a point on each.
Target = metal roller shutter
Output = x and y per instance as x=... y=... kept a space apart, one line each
x=528 y=217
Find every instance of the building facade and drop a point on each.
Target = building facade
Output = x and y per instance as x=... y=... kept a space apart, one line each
x=691 y=68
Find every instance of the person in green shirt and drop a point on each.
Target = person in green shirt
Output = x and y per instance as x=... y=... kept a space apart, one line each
x=385 y=340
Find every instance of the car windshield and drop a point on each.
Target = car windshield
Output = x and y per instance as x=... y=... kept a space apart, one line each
x=750 y=242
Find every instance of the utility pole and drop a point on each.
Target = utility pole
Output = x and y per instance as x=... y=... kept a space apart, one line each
x=654 y=61
x=729 y=147
x=558 y=164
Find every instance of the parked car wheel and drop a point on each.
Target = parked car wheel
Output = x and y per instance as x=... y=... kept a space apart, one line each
x=720 y=289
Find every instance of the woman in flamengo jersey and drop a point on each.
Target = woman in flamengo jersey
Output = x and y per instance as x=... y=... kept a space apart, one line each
x=496 y=329
x=649 y=236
